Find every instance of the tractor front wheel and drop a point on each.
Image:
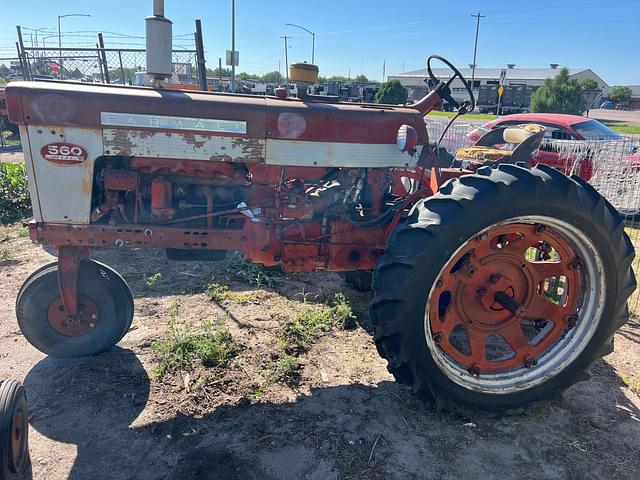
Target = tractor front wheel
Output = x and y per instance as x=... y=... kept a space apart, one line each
x=105 y=311
x=503 y=288
x=14 y=430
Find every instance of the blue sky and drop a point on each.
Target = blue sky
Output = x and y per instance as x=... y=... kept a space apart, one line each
x=360 y=36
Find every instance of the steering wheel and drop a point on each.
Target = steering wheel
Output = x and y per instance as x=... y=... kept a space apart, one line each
x=443 y=88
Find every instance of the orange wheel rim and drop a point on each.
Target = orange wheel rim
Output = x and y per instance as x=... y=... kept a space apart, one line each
x=506 y=298
x=84 y=322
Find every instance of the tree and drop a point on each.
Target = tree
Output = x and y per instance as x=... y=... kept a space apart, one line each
x=114 y=74
x=589 y=84
x=559 y=95
x=272 y=77
x=392 y=93
x=361 y=79
x=4 y=70
x=620 y=94
x=215 y=72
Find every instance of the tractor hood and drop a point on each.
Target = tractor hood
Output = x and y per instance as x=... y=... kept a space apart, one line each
x=69 y=104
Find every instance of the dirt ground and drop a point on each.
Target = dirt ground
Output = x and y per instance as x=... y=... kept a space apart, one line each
x=110 y=417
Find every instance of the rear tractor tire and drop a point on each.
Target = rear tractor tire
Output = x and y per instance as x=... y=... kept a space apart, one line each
x=14 y=431
x=502 y=289
x=105 y=311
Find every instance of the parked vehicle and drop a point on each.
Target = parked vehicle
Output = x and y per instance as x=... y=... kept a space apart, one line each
x=491 y=290
x=607 y=105
x=572 y=144
x=515 y=99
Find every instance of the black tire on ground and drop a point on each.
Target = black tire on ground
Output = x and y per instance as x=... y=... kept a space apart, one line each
x=440 y=226
x=359 y=280
x=14 y=430
x=97 y=282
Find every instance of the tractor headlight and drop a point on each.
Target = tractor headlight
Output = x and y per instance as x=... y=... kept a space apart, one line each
x=407 y=139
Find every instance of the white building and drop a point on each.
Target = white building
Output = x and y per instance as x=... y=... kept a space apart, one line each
x=491 y=76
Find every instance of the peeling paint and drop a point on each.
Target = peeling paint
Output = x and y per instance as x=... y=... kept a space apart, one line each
x=186 y=146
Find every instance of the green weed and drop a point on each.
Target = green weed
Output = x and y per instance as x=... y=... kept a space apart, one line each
x=251 y=273
x=152 y=280
x=296 y=334
x=15 y=203
x=183 y=346
x=221 y=293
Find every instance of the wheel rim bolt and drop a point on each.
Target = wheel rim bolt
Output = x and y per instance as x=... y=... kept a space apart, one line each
x=482 y=236
x=540 y=228
x=530 y=362
x=494 y=278
x=474 y=370
x=437 y=339
x=481 y=292
x=571 y=321
x=439 y=284
x=576 y=264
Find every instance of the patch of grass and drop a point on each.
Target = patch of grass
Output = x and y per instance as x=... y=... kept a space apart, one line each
x=152 y=280
x=630 y=382
x=283 y=368
x=477 y=116
x=255 y=392
x=251 y=273
x=624 y=128
x=296 y=334
x=23 y=231
x=15 y=203
x=183 y=346
x=220 y=293
x=6 y=254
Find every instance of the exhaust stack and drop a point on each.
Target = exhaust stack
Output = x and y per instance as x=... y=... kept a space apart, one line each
x=159 y=44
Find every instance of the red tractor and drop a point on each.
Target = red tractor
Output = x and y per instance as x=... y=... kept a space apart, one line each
x=492 y=286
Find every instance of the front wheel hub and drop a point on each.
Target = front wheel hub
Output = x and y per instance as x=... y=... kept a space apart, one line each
x=76 y=325
x=506 y=298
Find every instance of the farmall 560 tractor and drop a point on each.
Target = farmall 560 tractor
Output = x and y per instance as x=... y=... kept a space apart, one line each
x=492 y=286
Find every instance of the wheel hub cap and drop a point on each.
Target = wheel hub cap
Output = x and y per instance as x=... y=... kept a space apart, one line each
x=74 y=325
x=506 y=298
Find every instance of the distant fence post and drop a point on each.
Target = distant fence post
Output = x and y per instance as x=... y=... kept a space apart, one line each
x=26 y=69
x=104 y=58
x=122 y=77
x=200 y=60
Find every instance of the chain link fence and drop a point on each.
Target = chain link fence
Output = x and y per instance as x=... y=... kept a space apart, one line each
x=9 y=133
x=613 y=169
x=102 y=65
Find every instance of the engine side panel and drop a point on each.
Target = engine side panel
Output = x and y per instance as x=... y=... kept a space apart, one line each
x=61 y=192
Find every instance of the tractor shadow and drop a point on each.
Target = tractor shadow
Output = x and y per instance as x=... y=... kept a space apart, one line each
x=102 y=406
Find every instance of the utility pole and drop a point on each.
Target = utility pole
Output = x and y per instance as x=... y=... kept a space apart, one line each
x=286 y=56
x=384 y=69
x=233 y=46
x=475 y=48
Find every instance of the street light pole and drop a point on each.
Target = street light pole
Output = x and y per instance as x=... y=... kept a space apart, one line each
x=60 y=34
x=313 y=40
x=475 y=47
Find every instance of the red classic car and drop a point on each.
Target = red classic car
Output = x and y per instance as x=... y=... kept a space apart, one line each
x=561 y=146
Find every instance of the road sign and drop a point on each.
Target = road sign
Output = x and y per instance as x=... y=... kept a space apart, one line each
x=236 y=58
x=500 y=90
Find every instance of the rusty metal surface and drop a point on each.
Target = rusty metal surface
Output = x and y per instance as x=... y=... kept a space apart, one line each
x=499 y=285
x=73 y=104
x=69 y=104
